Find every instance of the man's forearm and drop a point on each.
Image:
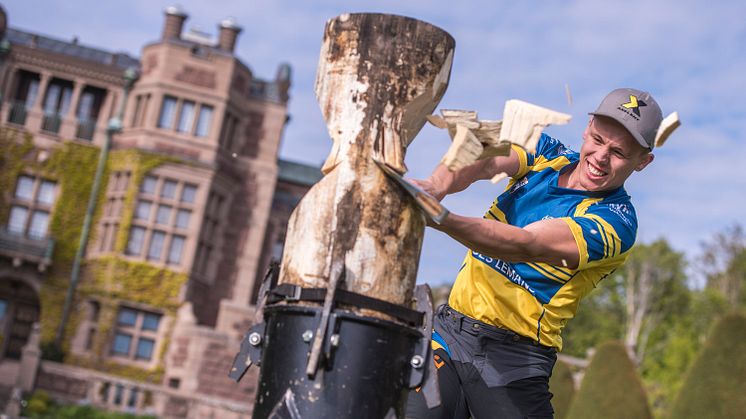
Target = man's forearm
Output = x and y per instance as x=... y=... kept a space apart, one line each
x=546 y=241
x=495 y=239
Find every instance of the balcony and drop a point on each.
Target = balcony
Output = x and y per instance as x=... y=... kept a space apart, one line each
x=85 y=129
x=17 y=113
x=23 y=248
x=51 y=123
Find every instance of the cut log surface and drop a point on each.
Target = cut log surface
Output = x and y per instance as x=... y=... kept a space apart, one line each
x=379 y=77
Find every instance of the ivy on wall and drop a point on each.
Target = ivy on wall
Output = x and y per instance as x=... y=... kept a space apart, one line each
x=111 y=279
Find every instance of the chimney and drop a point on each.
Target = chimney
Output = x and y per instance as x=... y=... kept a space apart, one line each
x=229 y=31
x=174 y=23
x=3 y=22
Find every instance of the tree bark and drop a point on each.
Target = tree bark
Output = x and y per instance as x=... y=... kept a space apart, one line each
x=379 y=76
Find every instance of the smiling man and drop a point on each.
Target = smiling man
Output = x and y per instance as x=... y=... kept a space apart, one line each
x=563 y=223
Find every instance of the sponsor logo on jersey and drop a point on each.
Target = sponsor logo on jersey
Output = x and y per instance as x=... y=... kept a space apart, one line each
x=521 y=183
x=623 y=211
x=505 y=269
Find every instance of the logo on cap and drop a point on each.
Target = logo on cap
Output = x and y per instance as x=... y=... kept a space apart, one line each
x=634 y=104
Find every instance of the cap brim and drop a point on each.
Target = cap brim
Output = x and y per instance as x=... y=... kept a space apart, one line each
x=632 y=132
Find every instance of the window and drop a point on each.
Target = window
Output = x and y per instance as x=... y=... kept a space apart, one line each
x=182 y=218
x=134 y=245
x=169 y=189
x=136 y=334
x=148 y=185
x=166 y=118
x=115 y=196
x=204 y=261
x=163 y=216
x=186 y=117
x=39 y=223
x=56 y=104
x=94 y=309
x=203 y=121
x=226 y=139
x=174 y=251
x=142 y=211
x=141 y=109
x=188 y=193
x=161 y=220
x=46 y=192
x=30 y=207
x=25 y=188
x=156 y=245
x=17 y=220
x=182 y=115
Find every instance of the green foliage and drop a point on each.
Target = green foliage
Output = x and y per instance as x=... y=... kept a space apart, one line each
x=15 y=153
x=600 y=318
x=611 y=388
x=724 y=262
x=563 y=389
x=715 y=385
x=38 y=405
x=54 y=411
x=138 y=282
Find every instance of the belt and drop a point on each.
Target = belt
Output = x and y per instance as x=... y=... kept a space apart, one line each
x=478 y=328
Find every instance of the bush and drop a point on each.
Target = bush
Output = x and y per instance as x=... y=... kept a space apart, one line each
x=611 y=388
x=41 y=406
x=716 y=382
x=563 y=388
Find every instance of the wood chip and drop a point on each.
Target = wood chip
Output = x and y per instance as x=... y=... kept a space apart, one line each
x=666 y=128
x=523 y=123
x=498 y=177
x=464 y=150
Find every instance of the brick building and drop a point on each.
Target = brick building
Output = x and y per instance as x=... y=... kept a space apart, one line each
x=192 y=207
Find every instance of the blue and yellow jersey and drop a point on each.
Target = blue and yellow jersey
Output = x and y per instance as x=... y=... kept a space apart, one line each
x=537 y=299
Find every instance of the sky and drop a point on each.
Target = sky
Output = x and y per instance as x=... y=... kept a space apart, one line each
x=691 y=55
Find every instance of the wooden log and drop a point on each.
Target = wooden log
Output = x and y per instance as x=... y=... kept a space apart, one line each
x=379 y=77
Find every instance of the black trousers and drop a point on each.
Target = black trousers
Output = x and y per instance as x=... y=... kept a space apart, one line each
x=463 y=390
x=526 y=398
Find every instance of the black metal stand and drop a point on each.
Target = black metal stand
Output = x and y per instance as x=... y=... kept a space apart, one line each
x=365 y=372
x=328 y=362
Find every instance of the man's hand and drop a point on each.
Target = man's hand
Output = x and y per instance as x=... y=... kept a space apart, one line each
x=429 y=186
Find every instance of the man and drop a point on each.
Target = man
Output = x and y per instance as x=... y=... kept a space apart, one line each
x=563 y=223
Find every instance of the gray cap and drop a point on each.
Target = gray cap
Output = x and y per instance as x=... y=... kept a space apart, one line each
x=636 y=110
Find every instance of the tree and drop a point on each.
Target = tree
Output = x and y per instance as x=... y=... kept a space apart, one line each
x=611 y=387
x=644 y=295
x=724 y=262
x=562 y=386
x=654 y=290
x=715 y=385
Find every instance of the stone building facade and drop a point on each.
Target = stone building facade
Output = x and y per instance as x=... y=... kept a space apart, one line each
x=192 y=208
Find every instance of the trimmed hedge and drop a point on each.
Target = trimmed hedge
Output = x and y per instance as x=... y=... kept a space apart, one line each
x=563 y=389
x=611 y=388
x=715 y=386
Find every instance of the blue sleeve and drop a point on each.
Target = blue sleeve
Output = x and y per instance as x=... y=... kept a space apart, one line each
x=549 y=148
x=604 y=231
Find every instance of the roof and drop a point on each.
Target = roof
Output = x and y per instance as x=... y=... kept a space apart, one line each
x=118 y=59
x=299 y=173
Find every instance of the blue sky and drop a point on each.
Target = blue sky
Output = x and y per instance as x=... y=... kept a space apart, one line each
x=691 y=55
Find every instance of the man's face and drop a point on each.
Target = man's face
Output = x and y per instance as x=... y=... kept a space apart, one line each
x=609 y=155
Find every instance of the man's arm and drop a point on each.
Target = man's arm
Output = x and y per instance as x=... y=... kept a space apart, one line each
x=545 y=241
x=443 y=182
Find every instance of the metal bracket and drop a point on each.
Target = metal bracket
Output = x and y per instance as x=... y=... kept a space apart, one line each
x=250 y=352
x=336 y=278
x=422 y=373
